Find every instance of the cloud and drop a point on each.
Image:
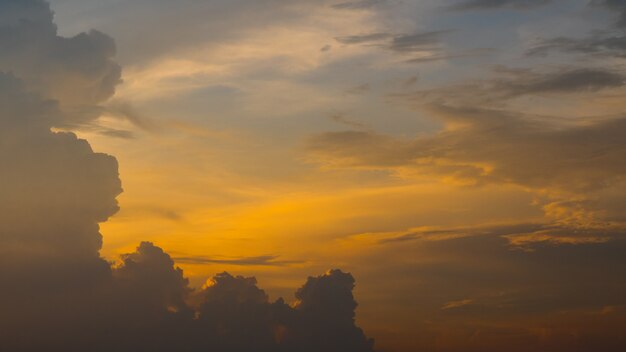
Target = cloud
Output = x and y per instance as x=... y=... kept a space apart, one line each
x=608 y=42
x=364 y=38
x=579 y=163
x=510 y=84
x=619 y=6
x=417 y=42
x=424 y=46
x=566 y=81
x=494 y=4
x=457 y=304
x=565 y=289
x=264 y=260
x=78 y=72
x=347 y=121
x=602 y=44
x=359 y=5
x=58 y=293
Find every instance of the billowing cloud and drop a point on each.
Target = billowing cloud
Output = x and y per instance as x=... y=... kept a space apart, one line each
x=58 y=293
x=77 y=72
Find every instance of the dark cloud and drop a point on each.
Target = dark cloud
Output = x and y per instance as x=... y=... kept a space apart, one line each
x=617 y=6
x=364 y=38
x=417 y=42
x=566 y=81
x=57 y=292
x=423 y=46
x=509 y=84
x=603 y=44
x=264 y=260
x=498 y=295
x=494 y=4
x=126 y=111
x=609 y=42
x=77 y=72
x=399 y=43
x=359 y=5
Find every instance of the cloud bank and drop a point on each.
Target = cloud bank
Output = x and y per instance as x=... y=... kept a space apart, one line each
x=58 y=293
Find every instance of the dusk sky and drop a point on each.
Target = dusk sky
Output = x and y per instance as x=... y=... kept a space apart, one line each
x=455 y=167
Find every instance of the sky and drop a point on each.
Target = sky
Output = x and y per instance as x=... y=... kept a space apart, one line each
x=408 y=175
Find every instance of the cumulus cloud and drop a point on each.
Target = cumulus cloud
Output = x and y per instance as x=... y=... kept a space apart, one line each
x=78 y=72
x=58 y=293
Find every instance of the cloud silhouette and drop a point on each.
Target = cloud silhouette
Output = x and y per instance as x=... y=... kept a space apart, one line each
x=57 y=292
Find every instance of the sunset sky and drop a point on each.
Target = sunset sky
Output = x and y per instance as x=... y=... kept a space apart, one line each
x=463 y=160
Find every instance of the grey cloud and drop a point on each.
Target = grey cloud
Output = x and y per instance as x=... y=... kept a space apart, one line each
x=449 y=56
x=417 y=42
x=123 y=134
x=359 y=5
x=509 y=84
x=422 y=46
x=364 y=38
x=609 y=42
x=571 y=290
x=576 y=80
x=78 y=72
x=345 y=120
x=493 y=4
x=619 y=6
x=604 y=44
x=562 y=288
x=403 y=43
x=125 y=110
